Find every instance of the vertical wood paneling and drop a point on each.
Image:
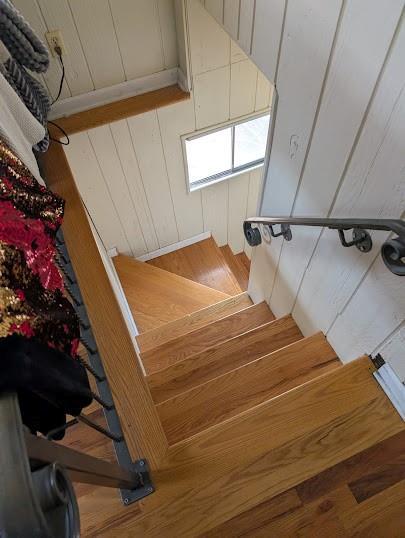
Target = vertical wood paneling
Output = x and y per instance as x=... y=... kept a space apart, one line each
x=268 y=23
x=93 y=190
x=32 y=13
x=216 y=8
x=243 y=88
x=237 y=204
x=101 y=49
x=136 y=166
x=237 y=53
x=380 y=153
x=300 y=77
x=264 y=92
x=168 y=32
x=301 y=73
x=366 y=31
x=211 y=94
x=374 y=311
x=97 y=34
x=57 y=15
x=109 y=162
x=175 y=121
x=137 y=28
x=129 y=163
x=215 y=211
x=231 y=17
x=145 y=133
x=246 y=16
x=252 y=209
x=209 y=44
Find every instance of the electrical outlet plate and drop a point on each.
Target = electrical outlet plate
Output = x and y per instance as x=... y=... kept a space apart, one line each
x=55 y=39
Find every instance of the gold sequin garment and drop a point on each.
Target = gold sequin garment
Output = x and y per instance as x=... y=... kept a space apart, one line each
x=32 y=301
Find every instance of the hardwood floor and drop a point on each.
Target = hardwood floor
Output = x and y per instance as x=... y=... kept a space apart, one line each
x=362 y=496
x=329 y=505
x=251 y=475
x=202 y=262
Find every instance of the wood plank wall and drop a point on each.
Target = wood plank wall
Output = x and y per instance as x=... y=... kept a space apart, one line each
x=338 y=150
x=131 y=173
x=128 y=39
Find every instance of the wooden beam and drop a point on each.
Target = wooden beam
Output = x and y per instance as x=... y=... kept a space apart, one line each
x=140 y=423
x=101 y=115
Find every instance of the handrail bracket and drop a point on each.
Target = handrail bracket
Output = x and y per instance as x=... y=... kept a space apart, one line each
x=361 y=239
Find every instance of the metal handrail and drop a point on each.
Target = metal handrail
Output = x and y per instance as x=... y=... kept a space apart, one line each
x=392 y=250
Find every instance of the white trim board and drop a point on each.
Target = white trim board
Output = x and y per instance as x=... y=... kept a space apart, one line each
x=174 y=247
x=183 y=81
x=392 y=386
x=120 y=91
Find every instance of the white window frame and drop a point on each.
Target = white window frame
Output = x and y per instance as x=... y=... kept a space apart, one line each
x=236 y=171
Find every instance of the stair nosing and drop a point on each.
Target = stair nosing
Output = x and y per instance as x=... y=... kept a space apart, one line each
x=212 y=323
x=240 y=296
x=287 y=316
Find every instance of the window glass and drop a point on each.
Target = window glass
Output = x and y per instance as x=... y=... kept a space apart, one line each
x=209 y=154
x=218 y=154
x=250 y=140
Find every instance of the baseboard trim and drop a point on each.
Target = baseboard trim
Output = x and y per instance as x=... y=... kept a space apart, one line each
x=111 y=94
x=392 y=386
x=174 y=247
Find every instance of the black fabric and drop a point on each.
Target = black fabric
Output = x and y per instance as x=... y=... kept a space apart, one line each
x=49 y=383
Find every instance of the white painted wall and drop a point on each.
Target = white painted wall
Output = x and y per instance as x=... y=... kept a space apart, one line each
x=107 y=41
x=131 y=173
x=338 y=150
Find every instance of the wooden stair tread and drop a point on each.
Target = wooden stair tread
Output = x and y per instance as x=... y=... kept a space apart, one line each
x=179 y=327
x=245 y=387
x=238 y=267
x=202 y=262
x=156 y=296
x=222 y=358
x=212 y=334
x=236 y=465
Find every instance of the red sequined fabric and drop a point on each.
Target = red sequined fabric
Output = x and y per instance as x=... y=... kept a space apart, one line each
x=32 y=300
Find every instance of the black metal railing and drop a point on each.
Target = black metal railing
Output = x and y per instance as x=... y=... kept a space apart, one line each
x=392 y=250
x=36 y=494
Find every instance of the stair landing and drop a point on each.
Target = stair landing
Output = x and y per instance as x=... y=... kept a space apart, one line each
x=156 y=296
x=203 y=262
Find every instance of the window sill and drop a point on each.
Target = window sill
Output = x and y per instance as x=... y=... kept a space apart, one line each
x=210 y=183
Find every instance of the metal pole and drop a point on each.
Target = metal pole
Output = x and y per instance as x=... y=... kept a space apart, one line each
x=91 y=470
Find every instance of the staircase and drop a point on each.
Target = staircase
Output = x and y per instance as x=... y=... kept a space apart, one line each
x=250 y=408
x=220 y=361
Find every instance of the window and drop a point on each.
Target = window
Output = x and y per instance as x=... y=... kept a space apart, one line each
x=224 y=152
